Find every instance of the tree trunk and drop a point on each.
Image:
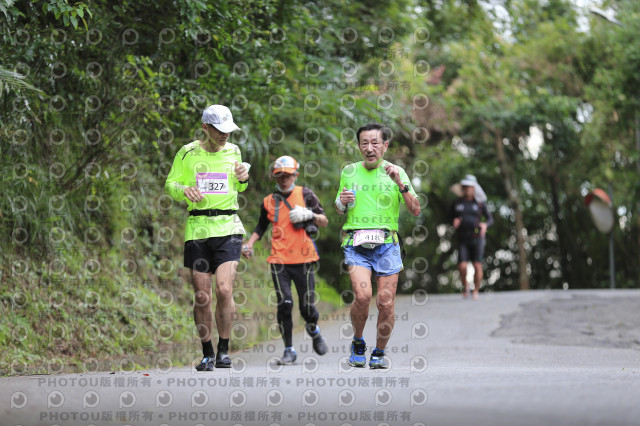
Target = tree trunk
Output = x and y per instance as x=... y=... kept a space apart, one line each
x=563 y=240
x=514 y=200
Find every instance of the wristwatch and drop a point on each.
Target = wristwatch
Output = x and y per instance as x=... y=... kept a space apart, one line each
x=405 y=189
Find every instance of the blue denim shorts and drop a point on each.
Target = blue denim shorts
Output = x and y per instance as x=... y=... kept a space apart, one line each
x=383 y=260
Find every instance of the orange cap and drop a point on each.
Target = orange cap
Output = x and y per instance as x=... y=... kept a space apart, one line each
x=285 y=164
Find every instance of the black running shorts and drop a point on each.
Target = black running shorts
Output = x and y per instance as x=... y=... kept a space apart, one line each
x=206 y=255
x=471 y=249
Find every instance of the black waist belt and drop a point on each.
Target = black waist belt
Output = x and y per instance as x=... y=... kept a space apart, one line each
x=212 y=212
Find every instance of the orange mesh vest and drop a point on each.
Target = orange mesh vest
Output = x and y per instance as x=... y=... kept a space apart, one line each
x=289 y=245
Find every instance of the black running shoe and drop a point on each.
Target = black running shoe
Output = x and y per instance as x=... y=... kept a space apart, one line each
x=205 y=365
x=223 y=360
x=289 y=357
x=319 y=345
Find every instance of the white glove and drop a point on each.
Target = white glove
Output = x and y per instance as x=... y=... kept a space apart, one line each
x=247 y=251
x=300 y=214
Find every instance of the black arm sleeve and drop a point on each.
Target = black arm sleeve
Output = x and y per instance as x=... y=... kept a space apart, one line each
x=263 y=222
x=311 y=201
x=487 y=214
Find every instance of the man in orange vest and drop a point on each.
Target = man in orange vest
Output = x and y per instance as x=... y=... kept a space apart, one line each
x=295 y=213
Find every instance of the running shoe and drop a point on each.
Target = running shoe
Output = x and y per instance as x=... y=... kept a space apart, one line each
x=378 y=360
x=223 y=360
x=205 y=365
x=289 y=357
x=358 y=358
x=319 y=345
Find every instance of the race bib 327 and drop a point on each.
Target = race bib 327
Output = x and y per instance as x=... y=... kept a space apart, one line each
x=213 y=183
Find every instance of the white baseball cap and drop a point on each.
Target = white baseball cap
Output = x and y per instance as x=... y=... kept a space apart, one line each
x=220 y=117
x=470 y=180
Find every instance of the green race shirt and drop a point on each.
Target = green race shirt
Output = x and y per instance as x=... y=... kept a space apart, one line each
x=213 y=173
x=378 y=198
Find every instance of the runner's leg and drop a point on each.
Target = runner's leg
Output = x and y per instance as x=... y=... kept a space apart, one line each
x=463 y=258
x=385 y=301
x=478 y=254
x=361 y=285
x=202 y=314
x=304 y=280
x=282 y=284
x=225 y=307
x=462 y=269
x=477 y=277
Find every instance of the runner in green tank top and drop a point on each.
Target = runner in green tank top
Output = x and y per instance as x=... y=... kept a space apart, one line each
x=378 y=197
x=208 y=174
x=370 y=194
x=213 y=173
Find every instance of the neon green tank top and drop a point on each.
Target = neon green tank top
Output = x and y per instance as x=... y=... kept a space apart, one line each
x=378 y=198
x=213 y=173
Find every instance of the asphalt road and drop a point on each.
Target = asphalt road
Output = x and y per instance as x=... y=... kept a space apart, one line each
x=525 y=358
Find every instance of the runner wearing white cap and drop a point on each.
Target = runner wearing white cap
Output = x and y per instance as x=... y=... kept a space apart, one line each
x=467 y=214
x=208 y=174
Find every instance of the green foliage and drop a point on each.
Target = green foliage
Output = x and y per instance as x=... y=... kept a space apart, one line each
x=69 y=14
x=549 y=80
x=11 y=80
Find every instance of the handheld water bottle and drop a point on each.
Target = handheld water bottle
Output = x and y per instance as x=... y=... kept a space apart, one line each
x=353 y=203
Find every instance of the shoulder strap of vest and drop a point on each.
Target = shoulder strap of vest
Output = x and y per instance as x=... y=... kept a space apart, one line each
x=277 y=197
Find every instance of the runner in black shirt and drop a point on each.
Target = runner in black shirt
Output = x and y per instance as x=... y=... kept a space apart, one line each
x=467 y=214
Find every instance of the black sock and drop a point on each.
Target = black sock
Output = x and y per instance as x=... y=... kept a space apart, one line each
x=223 y=345
x=207 y=349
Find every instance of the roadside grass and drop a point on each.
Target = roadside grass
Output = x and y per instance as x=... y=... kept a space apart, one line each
x=85 y=312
